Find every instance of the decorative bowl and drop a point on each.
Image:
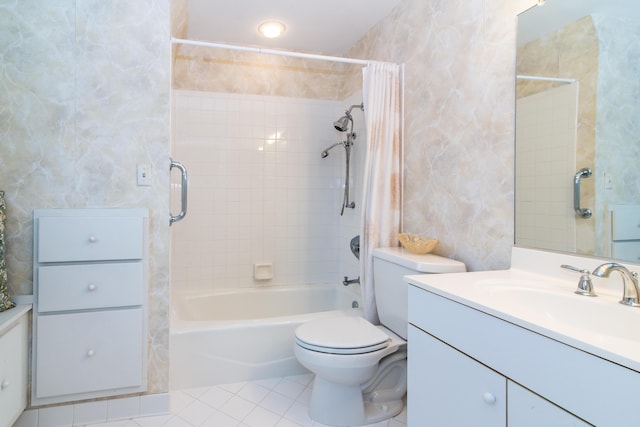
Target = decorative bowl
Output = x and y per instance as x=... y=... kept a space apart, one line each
x=416 y=244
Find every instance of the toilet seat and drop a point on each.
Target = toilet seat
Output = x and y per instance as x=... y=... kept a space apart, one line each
x=341 y=335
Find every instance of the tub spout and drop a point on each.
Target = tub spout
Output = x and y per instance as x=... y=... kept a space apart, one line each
x=348 y=281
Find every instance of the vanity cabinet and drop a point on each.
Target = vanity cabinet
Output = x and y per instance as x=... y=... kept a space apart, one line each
x=449 y=386
x=527 y=409
x=90 y=299
x=14 y=335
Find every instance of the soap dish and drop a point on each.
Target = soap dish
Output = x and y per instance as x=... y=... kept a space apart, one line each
x=416 y=244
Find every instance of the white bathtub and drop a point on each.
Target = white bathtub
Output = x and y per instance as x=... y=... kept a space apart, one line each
x=243 y=334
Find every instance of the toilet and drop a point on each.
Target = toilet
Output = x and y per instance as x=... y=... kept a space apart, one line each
x=360 y=368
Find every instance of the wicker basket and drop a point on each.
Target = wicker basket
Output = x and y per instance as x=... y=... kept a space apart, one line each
x=416 y=244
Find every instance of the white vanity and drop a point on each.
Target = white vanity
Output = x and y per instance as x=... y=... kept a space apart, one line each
x=520 y=348
x=14 y=336
x=90 y=304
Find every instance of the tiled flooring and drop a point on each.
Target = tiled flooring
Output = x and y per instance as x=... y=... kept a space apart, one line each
x=274 y=402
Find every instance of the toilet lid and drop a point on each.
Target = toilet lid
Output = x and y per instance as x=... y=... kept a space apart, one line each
x=341 y=335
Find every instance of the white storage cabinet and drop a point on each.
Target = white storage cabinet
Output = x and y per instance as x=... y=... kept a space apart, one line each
x=90 y=304
x=14 y=336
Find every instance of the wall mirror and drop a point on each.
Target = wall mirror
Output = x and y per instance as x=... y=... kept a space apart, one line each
x=578 y=128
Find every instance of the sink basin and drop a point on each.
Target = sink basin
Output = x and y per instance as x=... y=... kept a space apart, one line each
x=602 y=316
x=548 y=306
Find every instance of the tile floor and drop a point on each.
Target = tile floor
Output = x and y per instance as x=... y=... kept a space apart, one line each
x=273 y=402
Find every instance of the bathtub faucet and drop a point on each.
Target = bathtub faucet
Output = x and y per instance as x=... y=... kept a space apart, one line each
x=348 y=281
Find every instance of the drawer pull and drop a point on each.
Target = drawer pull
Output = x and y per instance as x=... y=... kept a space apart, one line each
x=5 y=384
x=92 y=287
x=91 y=353
x=93 y=239
x=489 y=398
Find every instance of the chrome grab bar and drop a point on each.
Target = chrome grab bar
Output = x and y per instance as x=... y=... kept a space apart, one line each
x=183 y=200
x=582 y=173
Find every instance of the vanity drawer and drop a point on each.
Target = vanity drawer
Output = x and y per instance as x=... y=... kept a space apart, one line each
x=89 y=238
x=86 y=352
x=88 y=286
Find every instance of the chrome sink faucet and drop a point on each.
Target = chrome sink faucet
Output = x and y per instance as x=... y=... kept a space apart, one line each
x=631 y=295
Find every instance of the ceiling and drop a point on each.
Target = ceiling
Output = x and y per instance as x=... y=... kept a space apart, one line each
x=330 y=27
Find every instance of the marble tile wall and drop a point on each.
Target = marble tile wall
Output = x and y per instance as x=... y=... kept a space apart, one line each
x=179 y=18
x=459 y=121
x=219 y=70
x=84 y=96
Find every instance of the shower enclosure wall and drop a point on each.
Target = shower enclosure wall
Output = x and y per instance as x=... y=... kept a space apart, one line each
x=259 y=191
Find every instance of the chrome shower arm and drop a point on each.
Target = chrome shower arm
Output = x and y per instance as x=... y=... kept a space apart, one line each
x=360 y=106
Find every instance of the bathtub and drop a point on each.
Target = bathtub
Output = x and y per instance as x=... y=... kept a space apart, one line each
x=238 y=335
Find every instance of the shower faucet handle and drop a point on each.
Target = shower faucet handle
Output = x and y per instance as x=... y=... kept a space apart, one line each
x=348 y=281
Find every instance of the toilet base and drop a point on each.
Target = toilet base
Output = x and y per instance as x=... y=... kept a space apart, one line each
x=375 y=412
x=343 y=406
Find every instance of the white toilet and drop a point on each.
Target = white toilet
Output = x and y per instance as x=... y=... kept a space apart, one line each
x=361 y=369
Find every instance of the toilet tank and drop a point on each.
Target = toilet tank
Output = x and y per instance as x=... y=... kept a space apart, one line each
x=390 y=265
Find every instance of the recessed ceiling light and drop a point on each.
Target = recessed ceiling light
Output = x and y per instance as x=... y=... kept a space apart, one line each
x=271 y=29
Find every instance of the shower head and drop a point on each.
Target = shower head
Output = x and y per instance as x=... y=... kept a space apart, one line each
x=342 y=124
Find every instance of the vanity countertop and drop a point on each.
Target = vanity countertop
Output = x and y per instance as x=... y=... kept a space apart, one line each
x=8 y=317
x=547 y=305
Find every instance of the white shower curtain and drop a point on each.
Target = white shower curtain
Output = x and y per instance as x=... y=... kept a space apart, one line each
x=382 y=192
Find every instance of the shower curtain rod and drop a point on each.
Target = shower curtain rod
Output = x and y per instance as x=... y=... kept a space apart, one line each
x=547 y=79
x=276 y=52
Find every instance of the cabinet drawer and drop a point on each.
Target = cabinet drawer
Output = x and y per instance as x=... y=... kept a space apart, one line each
x=86 y=286
x=13 y=372
x=85 y=352
x=89 y=238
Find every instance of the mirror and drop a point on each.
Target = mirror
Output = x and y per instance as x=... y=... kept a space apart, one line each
x=578 y=128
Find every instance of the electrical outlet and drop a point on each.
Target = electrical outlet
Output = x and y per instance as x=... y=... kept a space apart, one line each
x=143 y=174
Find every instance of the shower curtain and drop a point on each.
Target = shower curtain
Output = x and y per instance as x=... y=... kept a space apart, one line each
x=382 y=188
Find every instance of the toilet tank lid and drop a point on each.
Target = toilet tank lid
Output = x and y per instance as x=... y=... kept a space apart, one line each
x=427 y=263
